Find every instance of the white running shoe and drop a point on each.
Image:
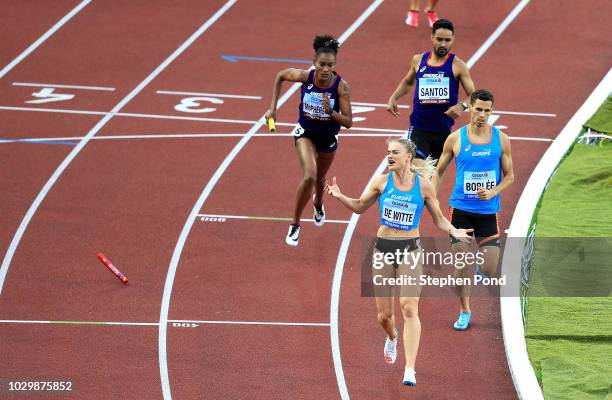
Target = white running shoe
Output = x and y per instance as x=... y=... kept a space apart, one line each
x=319 y=216
x=391 y=349
x=409 y=377
x=293 y=236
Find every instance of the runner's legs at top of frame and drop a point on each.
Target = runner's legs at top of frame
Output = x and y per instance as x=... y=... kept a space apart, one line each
x=412 y=19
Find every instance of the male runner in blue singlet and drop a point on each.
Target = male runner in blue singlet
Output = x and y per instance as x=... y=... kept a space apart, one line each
x=484 y=170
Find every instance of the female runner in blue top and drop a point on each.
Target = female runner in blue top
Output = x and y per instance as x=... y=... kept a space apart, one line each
x=325 y=106
x=401 y=194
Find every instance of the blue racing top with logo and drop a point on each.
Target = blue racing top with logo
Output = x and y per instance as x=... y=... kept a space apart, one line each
x=478 y=167
x=436 y=90
x=312 y=116
x=401 y=210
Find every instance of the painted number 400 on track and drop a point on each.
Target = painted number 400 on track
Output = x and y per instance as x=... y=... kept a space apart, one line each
x=184 y=325
x=212 y=219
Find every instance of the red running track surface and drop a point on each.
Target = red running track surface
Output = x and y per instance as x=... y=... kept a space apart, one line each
x=130 y=197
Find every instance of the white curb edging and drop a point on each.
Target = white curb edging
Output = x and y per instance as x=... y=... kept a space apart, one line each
x=523 y=376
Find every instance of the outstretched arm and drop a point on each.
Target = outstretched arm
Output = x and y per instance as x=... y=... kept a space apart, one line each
x=291 y=75
x=358 y=206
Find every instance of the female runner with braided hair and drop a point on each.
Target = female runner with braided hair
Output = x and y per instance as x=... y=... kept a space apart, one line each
x=401 y=195
x=325 y=106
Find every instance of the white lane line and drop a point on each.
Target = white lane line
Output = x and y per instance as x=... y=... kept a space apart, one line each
x=173 y=321
x=357 y=103
x=203 y=135
x=132 y=115
x=343 y=134
x=44 y=37
x=180 y=244
x=348 y=235
x=176 y=136
x=335 y=292
x=15 y=321
x=220 y=95
x=230 y=121
x=395 y=132
x=333 y=315
x=189 y=321
x=497 y=33
x=532 y=139
x=204 y=217
x=49 y=184
x=54 y=85
x=171 y=117
x=526 y=114
x=204 y=119
x=53 y=110
x=530 y=114
x=400 y=131
x=185 y=118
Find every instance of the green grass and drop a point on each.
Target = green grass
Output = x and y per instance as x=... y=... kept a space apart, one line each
x=572 y=370
x=578 y=200
x=569 y=339
x=601 y=121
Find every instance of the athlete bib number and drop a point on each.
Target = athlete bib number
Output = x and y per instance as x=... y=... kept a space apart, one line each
x=313 y=106
x=434 y=90
x=399 y=215
x=297 y=131
x=474 y=181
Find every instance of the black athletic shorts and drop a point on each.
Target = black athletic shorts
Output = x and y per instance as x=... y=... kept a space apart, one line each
x=391 y=246
x=323 y=142
x=427 y=143
x=486 y=228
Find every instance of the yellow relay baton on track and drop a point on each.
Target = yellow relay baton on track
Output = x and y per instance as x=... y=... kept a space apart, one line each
x=271 y=125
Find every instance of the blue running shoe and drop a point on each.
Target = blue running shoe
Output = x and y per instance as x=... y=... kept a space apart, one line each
x=463 y=322
x=481 y=274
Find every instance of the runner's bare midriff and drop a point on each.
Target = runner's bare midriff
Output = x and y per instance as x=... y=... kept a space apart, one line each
x=387 y=232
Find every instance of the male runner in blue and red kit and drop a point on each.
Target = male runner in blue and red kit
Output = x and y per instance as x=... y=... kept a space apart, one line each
x=437 y=74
